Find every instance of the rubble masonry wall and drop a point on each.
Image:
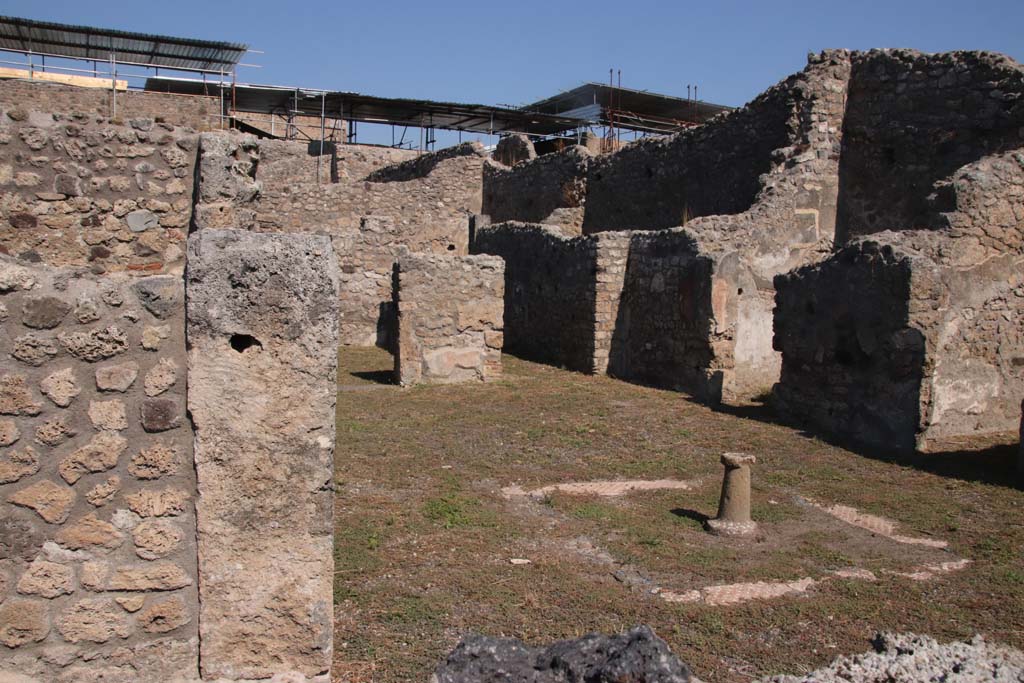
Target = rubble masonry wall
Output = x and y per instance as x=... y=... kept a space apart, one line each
x=549 y=189
x=913 y=119
x=449 y=318
x=424 y=204
x=200 y=113
x=926 y=341
x=97 y=528
x=80 y=190
x=561 y=293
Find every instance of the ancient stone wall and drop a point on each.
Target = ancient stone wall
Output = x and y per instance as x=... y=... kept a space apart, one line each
x=263 y=340
x=913 y=119
x=422 y=165
x=557 y=291
x=368 y=221
x=690 y=309
x=79 y=190
x=726 y=165
x=514 y=149
x=691 y=316
x=923 y=330
x=199 y=113
x=549 y=189
x=449 y=318
x=286 y=162
x=97 y=528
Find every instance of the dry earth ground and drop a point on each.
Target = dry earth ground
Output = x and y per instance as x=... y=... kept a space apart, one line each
x=425 y=534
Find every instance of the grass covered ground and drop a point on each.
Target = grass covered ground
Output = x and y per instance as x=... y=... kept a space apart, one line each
x=424 y=535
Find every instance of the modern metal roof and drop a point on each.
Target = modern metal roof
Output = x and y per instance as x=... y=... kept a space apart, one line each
x=627 y=108
x=86 y=42
x=267 y=99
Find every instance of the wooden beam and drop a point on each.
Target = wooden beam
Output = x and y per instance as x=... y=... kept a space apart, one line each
x=64 y=79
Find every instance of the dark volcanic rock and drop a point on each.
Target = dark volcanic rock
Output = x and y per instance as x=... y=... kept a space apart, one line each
x=637 y=656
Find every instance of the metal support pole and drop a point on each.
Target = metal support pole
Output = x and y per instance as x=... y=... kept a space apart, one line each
x=220 y=87
x=113 y=87
x=323 y=113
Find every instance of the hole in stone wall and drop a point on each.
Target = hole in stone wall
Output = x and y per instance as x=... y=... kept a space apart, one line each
x=739 y=292
x=451 y=247
x=241 y=342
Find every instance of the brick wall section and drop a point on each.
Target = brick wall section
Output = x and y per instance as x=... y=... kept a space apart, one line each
x=550 y=189
x=449 y=318
x=913 y=339
x=428 y=211
x=80 y=190
x=97 y=529
x=913 y=119
x=188 y=111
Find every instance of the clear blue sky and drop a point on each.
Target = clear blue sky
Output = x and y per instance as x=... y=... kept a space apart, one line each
x=520 y=51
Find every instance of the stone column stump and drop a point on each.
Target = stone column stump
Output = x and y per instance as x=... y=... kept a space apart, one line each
x=734 y=506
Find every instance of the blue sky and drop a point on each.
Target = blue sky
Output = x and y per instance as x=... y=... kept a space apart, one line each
x=517 y=52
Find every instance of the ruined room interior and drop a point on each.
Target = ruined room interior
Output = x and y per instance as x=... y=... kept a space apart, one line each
x=277 y=405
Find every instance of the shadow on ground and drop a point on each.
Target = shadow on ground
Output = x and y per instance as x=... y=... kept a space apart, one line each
x=988 y=463
x=376 y=376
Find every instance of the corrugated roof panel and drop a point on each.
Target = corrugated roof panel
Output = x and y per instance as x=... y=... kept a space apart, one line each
x=85 y=42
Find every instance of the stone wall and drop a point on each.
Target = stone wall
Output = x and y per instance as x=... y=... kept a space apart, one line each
x=726 y=165
x=263 y=341
x=561 y=293
x=77 y=189
x=285 y=162
x=449 y=318
x=915 y=339
x=735 y=160
x=199 y=113
x=97 y=528
x=690 y=309
x=424 y=204
x=549 y=189
x=422 y=165
x=514 y=148
x=913 y=119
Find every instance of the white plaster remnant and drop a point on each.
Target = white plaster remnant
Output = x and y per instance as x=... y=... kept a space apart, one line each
x=874 y=524
x=601 y=488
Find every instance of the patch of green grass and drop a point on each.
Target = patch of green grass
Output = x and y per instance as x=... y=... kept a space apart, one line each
x=351 y=426
x=455 y=510
x=595 y=511
x=413 y=610
x=774 y=513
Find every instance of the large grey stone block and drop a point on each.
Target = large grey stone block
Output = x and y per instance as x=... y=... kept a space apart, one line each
x=263 y=339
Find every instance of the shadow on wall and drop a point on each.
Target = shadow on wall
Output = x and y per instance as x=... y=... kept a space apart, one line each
x=858 y=369
x=325 y=148
x=662 y=336
x=912 y=120
x=539 y=300
x=715 y=169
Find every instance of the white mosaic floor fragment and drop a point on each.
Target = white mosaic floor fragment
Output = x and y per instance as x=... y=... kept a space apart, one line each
x=874 y=524
x=930 y=571
x=736 y=593
x=602 y=488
